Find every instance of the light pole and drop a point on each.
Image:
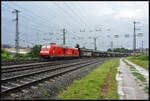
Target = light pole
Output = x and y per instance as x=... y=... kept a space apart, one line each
x=134 y=36
x=142 y=46
x=64 y=36
x=140 y=35
x=95 y=47
x=111 y=42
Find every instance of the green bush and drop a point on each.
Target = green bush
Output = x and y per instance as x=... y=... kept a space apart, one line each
x=22 y=55
x=5 y=54
x=4 y=51
x=35 y=51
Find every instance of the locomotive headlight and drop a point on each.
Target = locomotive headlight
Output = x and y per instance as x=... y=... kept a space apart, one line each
x=41 y=52
x=47 y=51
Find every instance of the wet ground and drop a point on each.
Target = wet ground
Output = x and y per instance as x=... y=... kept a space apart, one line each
x=128 y=87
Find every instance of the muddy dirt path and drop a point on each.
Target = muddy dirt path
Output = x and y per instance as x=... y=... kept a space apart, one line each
x=128 y=87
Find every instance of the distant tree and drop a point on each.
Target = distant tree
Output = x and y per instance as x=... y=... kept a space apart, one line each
x=109 y=50
x=123 y=50
x=84 y=47
x=77 y=46
x=35 y=51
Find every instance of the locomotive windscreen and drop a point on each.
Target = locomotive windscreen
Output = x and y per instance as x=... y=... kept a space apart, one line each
x=45 y=47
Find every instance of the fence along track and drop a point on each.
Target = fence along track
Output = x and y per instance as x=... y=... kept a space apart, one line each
x=14 y=83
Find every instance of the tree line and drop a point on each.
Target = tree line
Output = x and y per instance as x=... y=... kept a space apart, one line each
x=122 y=50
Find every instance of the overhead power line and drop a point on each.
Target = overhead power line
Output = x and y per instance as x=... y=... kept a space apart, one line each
x=64 y=10
x=30 y=17
x=74 y=13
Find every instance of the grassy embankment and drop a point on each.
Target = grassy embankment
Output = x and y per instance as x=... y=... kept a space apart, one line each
x=90 y=87
x=34 y=53
x=6 y=55
x=141 y=60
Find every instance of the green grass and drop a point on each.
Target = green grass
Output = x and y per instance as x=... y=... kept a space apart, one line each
x=143 y=56
x=44 y=95
x=132 y=68
x=112 y=90
x=126 y=62
x=88 y=88
x=119 y=72
x=146 y=89
x=58 y=88
x=141 y=60
x=139 y=76
x=142 y=63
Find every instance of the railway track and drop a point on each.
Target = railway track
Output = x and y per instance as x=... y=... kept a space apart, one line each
x=25 y=61
x=13 y=70
x=20 y=61
x=17 y=82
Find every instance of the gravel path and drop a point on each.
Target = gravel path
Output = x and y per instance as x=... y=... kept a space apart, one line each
x=140 y=69
x=128 y=87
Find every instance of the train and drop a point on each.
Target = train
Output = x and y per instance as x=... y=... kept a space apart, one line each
x=54 y=50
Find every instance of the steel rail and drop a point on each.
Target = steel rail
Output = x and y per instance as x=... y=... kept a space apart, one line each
x=4 y=92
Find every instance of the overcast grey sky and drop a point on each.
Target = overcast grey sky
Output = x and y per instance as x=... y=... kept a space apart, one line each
x=42 y=22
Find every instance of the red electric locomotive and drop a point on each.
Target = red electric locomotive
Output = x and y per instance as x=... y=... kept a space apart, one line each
x=58 y=51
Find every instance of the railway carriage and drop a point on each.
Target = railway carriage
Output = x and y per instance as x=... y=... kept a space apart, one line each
x=85 y=52
x=97 y=53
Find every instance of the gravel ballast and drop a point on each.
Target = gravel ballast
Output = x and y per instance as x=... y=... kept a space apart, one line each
x=49 y=89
